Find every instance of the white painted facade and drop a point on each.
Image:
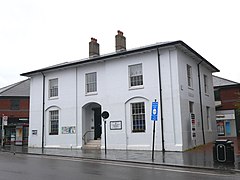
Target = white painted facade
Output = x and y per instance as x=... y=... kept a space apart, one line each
x=114 y=95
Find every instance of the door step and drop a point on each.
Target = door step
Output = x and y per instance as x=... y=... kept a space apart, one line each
x=93 y=144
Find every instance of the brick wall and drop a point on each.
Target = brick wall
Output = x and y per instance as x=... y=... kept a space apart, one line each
x=21 y=112
x=229 y=97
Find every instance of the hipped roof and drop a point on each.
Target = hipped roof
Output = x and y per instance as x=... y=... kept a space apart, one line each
x=178 y=44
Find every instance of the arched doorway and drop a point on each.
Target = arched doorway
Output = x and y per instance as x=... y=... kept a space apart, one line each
x=92 y=124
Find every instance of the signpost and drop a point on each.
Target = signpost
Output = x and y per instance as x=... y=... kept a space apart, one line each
x=193 y=127
x=105 y=115
x=4 y=123
x=154 y=118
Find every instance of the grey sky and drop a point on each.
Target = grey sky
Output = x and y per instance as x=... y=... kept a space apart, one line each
x=39 y=33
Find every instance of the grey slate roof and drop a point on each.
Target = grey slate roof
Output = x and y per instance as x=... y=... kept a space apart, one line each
x=21 y=88
x=218 y=81
x=178 y=44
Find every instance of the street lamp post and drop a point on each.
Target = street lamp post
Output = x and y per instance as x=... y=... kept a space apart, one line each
x=105 y=115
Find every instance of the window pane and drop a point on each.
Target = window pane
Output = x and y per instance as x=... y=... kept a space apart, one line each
x=53 y=87
x=138 y=117
x=15 y=104
x=135 y=74
x=91 y=82
x=189 y=75
x=53 y=119
x=205 y=84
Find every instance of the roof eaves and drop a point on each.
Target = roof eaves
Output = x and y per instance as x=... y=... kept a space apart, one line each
x=199 y=56
x=120 y=53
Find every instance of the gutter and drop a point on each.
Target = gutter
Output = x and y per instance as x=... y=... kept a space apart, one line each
x=200 y=97
x=160 y=93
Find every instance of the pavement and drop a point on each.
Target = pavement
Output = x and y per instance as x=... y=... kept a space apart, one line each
x=200 y=157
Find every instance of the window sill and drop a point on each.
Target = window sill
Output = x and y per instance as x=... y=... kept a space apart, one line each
x=191 y=88
x=53 y=98
x=136 y=87
x=138 y=132
x=91 y=94
x=53 y=133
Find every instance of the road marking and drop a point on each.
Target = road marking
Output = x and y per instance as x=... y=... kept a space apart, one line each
x=131 y=165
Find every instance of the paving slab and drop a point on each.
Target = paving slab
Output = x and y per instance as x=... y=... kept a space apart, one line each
x=200 y=157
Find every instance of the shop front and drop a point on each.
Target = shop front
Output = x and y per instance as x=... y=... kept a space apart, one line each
x=16 y=132
x=226 y=123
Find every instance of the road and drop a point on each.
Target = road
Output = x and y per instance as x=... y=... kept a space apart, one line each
x=37 y=167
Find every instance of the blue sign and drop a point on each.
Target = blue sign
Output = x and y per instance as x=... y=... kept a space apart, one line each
x=154 y=116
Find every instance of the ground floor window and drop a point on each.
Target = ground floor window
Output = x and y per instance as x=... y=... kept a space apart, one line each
x=53 y=119
x=138 y=117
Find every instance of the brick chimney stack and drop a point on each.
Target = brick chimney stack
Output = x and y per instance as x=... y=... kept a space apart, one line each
x=120 y=41
x=93 y=48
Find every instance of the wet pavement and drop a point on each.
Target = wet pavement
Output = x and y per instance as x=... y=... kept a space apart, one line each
x=200 y=157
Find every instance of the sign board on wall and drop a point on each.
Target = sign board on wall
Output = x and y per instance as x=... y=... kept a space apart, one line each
x=193 y=126
x=68 y=130
x=34 y=132
x=115 y=125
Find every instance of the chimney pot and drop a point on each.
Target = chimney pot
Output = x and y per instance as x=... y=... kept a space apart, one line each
x=120 y=41
x=93 y=48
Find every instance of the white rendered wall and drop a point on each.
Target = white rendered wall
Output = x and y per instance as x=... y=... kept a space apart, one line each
x=115 y=96
x=192 y=94
x=35 y=112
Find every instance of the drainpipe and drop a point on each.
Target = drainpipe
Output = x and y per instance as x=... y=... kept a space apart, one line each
x=43 y=109
x=76 y=106
x=200 y=96
x=160 y=92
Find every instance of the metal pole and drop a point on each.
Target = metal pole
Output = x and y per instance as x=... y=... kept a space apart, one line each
x=161 y=108
x=2 y=132
x=153 y=143
x=105 y=136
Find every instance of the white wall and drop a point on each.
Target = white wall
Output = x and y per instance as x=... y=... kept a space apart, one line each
x=35 y=112
x=192 y=94
x=114 y=96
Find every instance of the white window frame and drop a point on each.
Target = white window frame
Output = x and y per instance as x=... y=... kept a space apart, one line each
x=135 y=78
x=206 y=86
x=138 y=117
x=91 y=83
x=208 y=118
x=189 y=76
x=191 y=107
x=53 y=118
x=53 y=88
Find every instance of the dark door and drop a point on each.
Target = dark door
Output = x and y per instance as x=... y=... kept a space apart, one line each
x=97 y=123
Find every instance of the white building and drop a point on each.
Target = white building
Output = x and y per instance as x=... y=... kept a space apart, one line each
x=66 y=100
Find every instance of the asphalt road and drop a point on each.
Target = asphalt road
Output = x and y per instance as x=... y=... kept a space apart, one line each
x=30 y=167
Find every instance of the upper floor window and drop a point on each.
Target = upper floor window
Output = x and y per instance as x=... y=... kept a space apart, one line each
x=15 y=104
x=217 y=95
x=138 y=117
x=53 y=87
x=189 y=76
x=191 y=108
x=135 y=75
x=208 y=118
x=91 y=82
x=205 y=80
x=53 y=122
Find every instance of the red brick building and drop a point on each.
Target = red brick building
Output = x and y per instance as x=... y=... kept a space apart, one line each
x=14 y=108
x=227 y=96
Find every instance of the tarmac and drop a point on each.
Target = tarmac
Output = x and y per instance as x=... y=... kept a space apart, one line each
x=199 y=157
